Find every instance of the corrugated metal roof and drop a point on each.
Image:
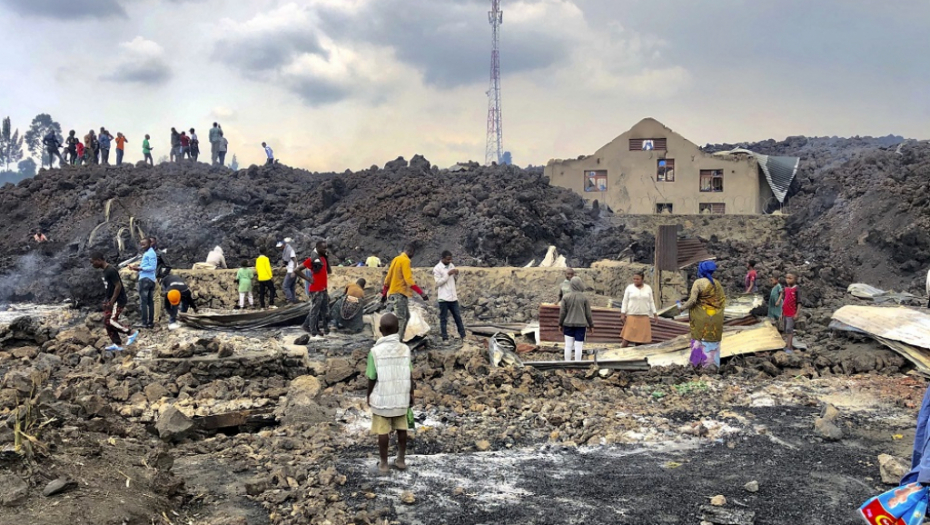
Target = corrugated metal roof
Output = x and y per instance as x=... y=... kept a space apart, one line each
x=778 y=171
x=691 y=251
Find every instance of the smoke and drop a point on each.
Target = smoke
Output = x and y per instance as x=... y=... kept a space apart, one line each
x=19 y=284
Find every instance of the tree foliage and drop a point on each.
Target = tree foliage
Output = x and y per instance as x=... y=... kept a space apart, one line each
x=27 y=168
x=41 y=125
x=11 y=144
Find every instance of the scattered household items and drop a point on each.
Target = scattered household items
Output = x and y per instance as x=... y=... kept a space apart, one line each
x=503 y=349
x=865 y=291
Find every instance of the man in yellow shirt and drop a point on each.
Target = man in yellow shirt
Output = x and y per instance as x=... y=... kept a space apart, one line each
x=399 y=287
x=265 y=279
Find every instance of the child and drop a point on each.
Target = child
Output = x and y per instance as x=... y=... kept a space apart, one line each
x=790 y=308
x=147 y=151
x=265 y=279
x=244 y=278
x=751 y=276
x=390 y=391
x=776 y=298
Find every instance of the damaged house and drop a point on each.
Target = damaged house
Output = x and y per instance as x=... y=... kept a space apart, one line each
x=651 y=169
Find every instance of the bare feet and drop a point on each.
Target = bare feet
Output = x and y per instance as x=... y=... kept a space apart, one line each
x=383 y=468
x=399 y=464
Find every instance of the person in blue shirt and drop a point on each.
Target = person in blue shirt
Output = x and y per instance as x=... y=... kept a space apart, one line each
x=104 y=139
x=147 y=283
x=920 y=460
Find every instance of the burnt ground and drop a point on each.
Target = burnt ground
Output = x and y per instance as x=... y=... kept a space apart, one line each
x=801 y=479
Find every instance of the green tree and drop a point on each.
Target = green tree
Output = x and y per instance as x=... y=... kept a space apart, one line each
x=27 y=168
x=234 y=165
x=40 y=127
x=11 y=144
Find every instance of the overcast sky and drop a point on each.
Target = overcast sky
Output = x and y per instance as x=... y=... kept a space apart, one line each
x=336 y=84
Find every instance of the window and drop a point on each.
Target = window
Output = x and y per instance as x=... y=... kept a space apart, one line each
x=718 y=208
x=648 y=144
x=712 y=180
x=664 y=208
x=595 y=180
x=666 y=170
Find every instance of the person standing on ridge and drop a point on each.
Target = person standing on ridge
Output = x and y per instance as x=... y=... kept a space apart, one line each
x=195 y=145
x=185 y=145
x=71 y=142
x=445 y=273
x=215 y=133
x=269 y=153
x=175 y=145
x=120 y=147
x=115 y=303
x=104 y=141
x=399 y=287
x=222 y=148
x=147 y=151
x=50 y=141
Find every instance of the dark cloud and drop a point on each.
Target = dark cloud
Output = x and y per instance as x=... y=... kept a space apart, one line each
x=265 y=51
x=318 y=92
x=448 y=40
x=153 y=72
x=67 y=11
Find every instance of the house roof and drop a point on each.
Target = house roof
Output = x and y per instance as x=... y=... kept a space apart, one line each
x=778 y=171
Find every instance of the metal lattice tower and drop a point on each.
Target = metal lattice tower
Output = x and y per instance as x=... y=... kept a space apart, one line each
x=494 y=148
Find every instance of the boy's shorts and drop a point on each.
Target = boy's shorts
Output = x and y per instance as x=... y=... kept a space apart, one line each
x=381 y=425
x=576 y=332
x=789 y=325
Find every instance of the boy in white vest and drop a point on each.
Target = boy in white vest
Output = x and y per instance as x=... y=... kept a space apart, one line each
x=390 y=391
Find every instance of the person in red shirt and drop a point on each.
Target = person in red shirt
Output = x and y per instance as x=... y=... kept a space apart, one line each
x=79 y=148
x=185 y=146
x=317 y=288
x=751 y=277
x=790 y=308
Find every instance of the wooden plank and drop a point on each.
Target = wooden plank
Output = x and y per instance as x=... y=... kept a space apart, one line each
x=762 y=338
x=894 y=323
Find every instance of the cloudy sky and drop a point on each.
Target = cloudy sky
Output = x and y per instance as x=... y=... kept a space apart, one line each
x=336 y=84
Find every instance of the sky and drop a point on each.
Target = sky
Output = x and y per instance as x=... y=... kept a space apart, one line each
x=345 y=84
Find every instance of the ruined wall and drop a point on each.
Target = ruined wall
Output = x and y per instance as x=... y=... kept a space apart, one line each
x=632 y=181
x=486 y=294
x=759 y=229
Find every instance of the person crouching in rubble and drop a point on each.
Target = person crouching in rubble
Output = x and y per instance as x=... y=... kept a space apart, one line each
x=177 y=296
x=637 y=308
x=115 y=302
x=575 y=318
x=216 y=258
x=705 y=309
x=350 y=308
x=390 y=391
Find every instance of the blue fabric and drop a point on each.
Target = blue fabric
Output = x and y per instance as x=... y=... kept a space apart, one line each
x=104 y=141
x=576 y=332
x=706 y=270
x=920 y=460
x=149 y=265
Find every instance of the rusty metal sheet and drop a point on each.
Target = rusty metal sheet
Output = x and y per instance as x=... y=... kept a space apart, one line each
x=690 y=251
x=667 y=248
x=607 y=326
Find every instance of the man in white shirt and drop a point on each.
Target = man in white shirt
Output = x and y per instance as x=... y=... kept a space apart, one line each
x=445 y=273
x=269 y=153
x=289 y=256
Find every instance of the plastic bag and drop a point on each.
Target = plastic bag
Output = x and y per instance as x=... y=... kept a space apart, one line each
x=905 y=505
x=698 y=357
x=411 y=423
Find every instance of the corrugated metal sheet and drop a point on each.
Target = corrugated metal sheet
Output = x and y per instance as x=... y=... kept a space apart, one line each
x=691 y=251
x=607 y=326
x=778 y=171
x=667 y=248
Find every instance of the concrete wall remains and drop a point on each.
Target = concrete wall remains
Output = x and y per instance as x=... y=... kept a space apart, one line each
x=651 y=169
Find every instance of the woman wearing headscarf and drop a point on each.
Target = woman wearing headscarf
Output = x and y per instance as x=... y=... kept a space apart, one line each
x=575 y=318
x=638 y=311
x=705 y=309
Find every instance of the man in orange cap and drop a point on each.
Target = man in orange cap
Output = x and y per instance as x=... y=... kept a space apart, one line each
x=177 y=296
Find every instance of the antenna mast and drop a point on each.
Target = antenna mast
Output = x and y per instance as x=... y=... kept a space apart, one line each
x=494 y=148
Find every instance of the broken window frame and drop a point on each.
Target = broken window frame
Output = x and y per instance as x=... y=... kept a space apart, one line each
x=665 y=173
x=662 y=206
x=711 y=181
x=597 y=176
x=657 y=144
x=715 y=208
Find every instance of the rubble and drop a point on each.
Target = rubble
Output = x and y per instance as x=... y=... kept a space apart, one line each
x=892 y=469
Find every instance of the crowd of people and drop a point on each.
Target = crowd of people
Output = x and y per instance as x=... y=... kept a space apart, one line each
x=95 y=147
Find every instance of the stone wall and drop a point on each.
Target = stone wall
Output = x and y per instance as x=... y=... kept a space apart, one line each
x=486 y=294
x=760 y=229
